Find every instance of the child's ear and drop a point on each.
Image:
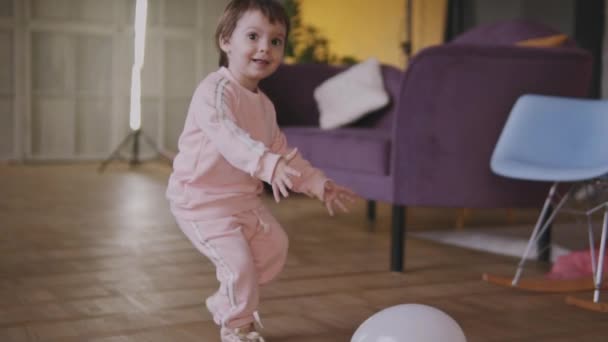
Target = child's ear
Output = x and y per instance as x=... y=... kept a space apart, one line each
x=225 y=45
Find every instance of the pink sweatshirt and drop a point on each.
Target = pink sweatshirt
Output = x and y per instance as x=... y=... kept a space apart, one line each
x=230 y=143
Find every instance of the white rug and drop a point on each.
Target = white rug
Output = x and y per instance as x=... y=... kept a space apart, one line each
x=489 y=242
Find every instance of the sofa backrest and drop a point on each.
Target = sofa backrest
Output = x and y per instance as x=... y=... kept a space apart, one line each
x=292 y=86
x=507 y=33
x=455 y=99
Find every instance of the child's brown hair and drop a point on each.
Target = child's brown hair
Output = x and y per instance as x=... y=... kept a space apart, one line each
x=236 y=8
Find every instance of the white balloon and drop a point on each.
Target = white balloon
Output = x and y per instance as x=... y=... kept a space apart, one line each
x=409 y=323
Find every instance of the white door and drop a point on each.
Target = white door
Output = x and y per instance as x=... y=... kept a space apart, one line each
x=76 y=73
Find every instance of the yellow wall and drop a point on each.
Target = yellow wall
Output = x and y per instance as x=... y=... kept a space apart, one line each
x=364 y=28
x=429 y=23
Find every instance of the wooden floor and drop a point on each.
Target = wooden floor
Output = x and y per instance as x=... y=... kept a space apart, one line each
x=97 y=257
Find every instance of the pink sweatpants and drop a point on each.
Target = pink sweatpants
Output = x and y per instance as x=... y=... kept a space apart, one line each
x=248 y=250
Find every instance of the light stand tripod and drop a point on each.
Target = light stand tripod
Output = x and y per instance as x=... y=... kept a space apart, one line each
x=133 y=137
x=141 y=13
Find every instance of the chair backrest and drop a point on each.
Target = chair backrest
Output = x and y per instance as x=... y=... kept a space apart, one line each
x=549 y=138
x=292 y=86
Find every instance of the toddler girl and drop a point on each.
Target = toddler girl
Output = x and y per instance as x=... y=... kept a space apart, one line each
x=230 y=143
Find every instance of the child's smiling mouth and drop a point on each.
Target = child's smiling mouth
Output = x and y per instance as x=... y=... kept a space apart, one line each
x=261 y=61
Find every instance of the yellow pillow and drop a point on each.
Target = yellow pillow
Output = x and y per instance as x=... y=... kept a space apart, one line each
x=548 y=41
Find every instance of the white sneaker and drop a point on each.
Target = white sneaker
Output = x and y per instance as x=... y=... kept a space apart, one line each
x=244 y=334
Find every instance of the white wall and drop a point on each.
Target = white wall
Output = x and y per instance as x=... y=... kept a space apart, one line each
x=65 y=68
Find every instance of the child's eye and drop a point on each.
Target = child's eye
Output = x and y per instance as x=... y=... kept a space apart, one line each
x=252 y=36
x=277 y=42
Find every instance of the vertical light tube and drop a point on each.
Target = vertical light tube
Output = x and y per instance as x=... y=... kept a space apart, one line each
x=141 y=14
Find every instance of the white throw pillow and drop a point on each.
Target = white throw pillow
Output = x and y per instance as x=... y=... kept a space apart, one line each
x=351 y=94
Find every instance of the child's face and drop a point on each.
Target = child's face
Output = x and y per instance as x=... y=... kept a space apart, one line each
x=255 y=48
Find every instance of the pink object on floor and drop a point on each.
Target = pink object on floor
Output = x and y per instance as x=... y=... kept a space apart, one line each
x=575 y=265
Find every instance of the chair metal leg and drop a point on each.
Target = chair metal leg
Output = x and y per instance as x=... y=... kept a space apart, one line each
x=371 y=210
x=595 y=304
x=595 y=283
x=591 y=243
x=600 y=266
x=397 y=238
x=539 y=229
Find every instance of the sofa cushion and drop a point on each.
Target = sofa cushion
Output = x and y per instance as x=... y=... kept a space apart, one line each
x=554 y=40
x=358 y=150
x=350 y=95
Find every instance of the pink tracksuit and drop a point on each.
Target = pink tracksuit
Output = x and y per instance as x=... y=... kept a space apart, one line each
x=230 y=143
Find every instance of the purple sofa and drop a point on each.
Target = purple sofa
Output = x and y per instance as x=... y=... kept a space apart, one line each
x=432 y=144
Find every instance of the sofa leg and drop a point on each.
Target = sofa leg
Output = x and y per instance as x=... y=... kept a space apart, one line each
x=397 y=238
x=371 y=210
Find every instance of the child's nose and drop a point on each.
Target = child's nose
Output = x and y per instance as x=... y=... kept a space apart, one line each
x=264 y=46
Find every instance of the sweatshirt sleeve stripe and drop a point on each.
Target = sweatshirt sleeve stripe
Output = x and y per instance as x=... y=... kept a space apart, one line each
x=212 y=107
x=254 y=146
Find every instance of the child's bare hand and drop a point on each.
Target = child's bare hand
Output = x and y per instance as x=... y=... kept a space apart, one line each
x=281 y=179
x=336 y=195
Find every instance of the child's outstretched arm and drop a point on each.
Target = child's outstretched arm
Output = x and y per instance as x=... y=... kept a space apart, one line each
x=311 y=180
x=335 y=195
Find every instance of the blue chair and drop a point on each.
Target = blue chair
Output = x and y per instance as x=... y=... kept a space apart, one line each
x=563 y=141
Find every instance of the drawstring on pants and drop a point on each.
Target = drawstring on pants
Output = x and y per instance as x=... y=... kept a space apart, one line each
x=258 y=320
x=265 y=226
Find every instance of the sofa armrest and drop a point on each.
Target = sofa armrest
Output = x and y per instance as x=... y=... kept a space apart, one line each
x=454 y=100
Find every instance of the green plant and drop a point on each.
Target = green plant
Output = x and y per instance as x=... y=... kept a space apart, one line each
x=306 y=44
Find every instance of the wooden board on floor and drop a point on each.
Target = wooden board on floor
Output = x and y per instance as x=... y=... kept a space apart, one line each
x=98 y=257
